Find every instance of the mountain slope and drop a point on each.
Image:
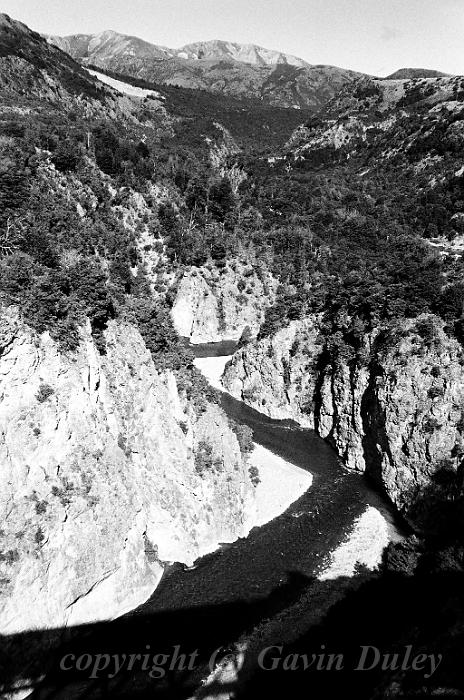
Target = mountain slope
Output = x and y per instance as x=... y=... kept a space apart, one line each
x=109 y=43
x=216 y=66
x=246 y=53
x=389 y=116
x=37 y=76
x=409 y=73
x=30 y=66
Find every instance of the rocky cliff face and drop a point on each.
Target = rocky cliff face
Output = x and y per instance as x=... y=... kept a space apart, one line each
x=106 y=474
x=276 y=375
x=397 y=413
x=213 y=305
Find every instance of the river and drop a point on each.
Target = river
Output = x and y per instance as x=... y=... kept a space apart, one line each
x=297 y=545
x=336 y=522
x=233 y=590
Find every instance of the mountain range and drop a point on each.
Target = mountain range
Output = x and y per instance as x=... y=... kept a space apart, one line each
x=110 y=43
x=36 y=76
x=217 y=66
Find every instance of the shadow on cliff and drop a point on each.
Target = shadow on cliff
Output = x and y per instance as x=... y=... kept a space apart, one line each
x=46 y=661
x=414 y=606
x=389 y=612
x=415 y=602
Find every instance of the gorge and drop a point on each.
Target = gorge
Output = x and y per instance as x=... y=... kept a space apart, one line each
x=231 y=369
x=337 y=524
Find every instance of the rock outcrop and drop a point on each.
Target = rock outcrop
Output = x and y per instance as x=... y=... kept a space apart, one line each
x=276 y=376
x=213 y=305
x=106 y=474
x=397 y=413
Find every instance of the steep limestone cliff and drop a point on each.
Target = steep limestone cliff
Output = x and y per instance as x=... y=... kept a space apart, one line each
x=106 y=474
x=213 y=305
x=395 y=411
x=275 y=375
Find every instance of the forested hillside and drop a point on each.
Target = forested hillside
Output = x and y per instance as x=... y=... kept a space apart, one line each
x=359 y=213
x=105 y=197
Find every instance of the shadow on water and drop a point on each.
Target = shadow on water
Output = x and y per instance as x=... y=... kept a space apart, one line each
x=195 y=630
x=229 y=592
x=314 y=619
x=299 y=540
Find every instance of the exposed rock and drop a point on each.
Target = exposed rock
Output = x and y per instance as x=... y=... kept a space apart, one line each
x=397 y=414
x=359 y=113
x=212 y=306
x=412 y=414
x=275 y=375
x=280 y=483
x=102 y=479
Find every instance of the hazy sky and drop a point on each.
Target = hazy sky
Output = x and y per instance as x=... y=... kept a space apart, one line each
x=375 y=36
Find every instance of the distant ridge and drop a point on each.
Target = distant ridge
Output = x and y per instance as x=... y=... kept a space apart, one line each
x=111 y=43
x=220 y=67
x=410 y=73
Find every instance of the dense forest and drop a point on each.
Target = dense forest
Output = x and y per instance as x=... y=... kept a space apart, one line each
x=345 y=231
x=361 y=231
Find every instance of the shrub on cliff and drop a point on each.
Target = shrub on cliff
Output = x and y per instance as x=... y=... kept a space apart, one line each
x=427 y=329
x=44 y=392
x=89 y=284
x=48 y=306
x=120 y=156
x=254 y=475
x=244 y=436
x=221 y=199
x=16 y=274
x=15 y=180
x=67 y=156
x=155 y=325
x=203 y=457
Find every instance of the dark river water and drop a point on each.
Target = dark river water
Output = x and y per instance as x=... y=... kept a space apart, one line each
x=233 y=590
x=288 y=547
